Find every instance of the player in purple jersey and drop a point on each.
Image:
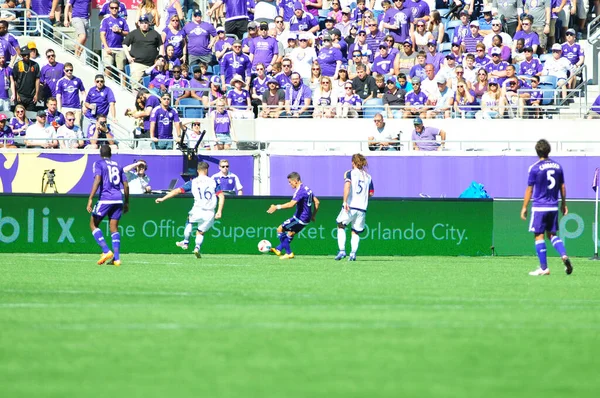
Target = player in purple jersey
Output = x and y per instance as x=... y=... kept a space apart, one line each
x=546 y=180
x=304 y=200
x=108 y=178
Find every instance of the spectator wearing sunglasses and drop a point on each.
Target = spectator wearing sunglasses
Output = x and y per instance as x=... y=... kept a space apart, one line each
x=69 y=135
x=50 y=75
x=113 y=30
x=229 y=182
x=345 y=23
x=374 y=38
x=263 y=49
x=100 y=100
x=349 y=104
x=105 y=10
x=497 y=30
x=236 y=63
x=530 y=38
x=303 y=56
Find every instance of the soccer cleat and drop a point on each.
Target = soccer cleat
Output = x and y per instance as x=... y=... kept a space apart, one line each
x=340 y=255
x=352 y=257
x=104 y=257
x=116 y=263
x=287 y=256
x=568 y=265
x=197 y=253
x=182 y=244
x=539 y=272
x=277 y=252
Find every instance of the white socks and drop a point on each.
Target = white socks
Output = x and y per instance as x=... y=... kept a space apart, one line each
x=341 y=237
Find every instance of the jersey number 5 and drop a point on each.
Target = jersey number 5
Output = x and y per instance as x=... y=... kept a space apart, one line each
x=113 y=175
x=360 y=186
x=551 y=179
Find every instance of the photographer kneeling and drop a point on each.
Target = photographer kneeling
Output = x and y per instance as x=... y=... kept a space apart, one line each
x=139 y=182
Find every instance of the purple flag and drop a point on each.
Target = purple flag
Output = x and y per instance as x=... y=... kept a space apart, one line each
x=595 y=182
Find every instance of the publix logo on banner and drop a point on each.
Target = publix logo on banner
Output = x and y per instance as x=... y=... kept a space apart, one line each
x=12 y=229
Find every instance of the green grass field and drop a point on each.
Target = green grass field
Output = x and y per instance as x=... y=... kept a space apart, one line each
x=254 y=326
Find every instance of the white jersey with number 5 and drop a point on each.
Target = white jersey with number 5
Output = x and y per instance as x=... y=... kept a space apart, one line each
x=361 y=187
x=205 y=191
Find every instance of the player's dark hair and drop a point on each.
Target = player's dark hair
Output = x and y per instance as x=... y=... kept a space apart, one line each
x=202 y=166
x=542 y=148
x=294 y=176
x=360 y=161
x=105 y=151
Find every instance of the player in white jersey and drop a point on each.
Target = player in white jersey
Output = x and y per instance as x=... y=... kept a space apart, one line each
x=205 y=191
x=358 y=188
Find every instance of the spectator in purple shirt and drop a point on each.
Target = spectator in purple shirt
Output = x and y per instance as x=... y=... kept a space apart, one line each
x=471 y=39
x=105 y=10
x=174 y=35
x=424 y=138
x=236 y=63
x=384 y=62
x=263 y=49
x=236 y=16
x=303 y=21
x=53 y=116
x=297 y=99
x=9 y=46
x=164 y=121
x=68 y=91
x=222 y=44
x=201 y=37
x=594 y=112
x=50 y=75
x=398 y=20
x=113 y=30
x=419 y=10
x=433 y=57
x=530 y=38
x=330 y=58
x=531 y=66
x=535 y=99
x=100 y=100
x=5 y=84
x=77 y=15
x=238 y=99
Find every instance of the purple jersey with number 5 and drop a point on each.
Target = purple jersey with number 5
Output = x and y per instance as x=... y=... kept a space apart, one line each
x=112 y=179
x=304 y=203
x=546 y=177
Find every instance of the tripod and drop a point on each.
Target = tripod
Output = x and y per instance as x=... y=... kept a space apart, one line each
x=48 y=181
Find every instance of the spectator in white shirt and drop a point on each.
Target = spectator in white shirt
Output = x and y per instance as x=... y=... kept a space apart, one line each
x=559 y=67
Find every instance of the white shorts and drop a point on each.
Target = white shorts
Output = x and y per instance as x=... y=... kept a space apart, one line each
x=80 y=25
x=204 y=218
x=354 y=218
x=582 y=8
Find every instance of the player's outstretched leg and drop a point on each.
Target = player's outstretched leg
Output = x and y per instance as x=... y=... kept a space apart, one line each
x=287 y=247
x=560 y=248
x=341 y=238
x=354 y=241
x=199 y=240
x=277 y=249
x=186 y=236
x=116 y=244
x=106 y=253
x=540 y=248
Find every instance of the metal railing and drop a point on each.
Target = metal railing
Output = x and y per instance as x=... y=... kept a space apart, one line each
x=593 y=37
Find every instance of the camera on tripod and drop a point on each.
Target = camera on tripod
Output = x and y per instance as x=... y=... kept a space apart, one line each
x=48 y=180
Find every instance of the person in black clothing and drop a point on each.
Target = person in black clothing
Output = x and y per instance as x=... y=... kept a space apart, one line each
x=364 y=85
x=141 y=47
x=26 y=75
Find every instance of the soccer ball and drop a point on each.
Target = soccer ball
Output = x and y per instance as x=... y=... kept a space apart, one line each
x=264 y=246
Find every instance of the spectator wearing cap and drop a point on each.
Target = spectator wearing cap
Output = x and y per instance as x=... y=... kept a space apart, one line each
x=329 y=24
x=5 y=84
x=416 y=100
x=471 y=39
x=384 y=62
x=530 y=38
x=215 y=92
x=34 y=54
x=541 y=13
x=303 y=21
x=406 y=58
x=349 y=103
x=273 y=100
x=292 y=42
x=433 y=57
x=448 y=70
x=559 y=67
x=77 y=15
x=100 y=133
x=465 y=101
x=572 y=50
x=382 y=138
x=7 y=137
x=498 y=45
x=496 y=68
x=509 y=10
x=336 y=11
x=198 y=82
x=594 y=112
x=164 y=124
x=105 y=10
x=419 y=69
x=303 y=56
x=252 y=34
x=100 y=100
x=113 y=30
x=298 y=99
x=9 y=46
x=26 y=76
x=399 y=21
x=481 y=57
x=364 y=85
x=236 y=63
x=345 y=22
x=141 y=48
x=419 y=10
x=201 y=37
x=420 y=36
x=515 y=100
x=485 y=20
x=40 y=136
x=360 y=44
x=236 y=16
x=329 y=58
x=497 y=30
x=264 y=49
x=239 y=100
x=393 y=99
x=530 y=66
x=457 y=52
x=222 y=43
x=463 y=29
x=337 y=42
x=492 y=102
x=425 y=138
x=443 y=101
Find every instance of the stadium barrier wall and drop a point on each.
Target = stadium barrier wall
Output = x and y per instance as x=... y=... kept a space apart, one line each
x=53 y=224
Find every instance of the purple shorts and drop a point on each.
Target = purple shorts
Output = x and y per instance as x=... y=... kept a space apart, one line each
x=111 y=210
x=292 y=224
x=543 y=221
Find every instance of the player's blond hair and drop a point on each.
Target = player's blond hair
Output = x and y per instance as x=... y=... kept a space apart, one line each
x=360 y=161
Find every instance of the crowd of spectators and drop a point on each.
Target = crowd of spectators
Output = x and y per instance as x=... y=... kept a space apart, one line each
x=286 y=59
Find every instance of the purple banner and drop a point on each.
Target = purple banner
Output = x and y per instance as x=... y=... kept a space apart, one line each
x=435 y=176
x=21 y=172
